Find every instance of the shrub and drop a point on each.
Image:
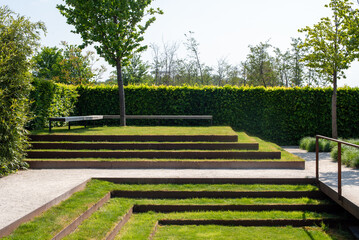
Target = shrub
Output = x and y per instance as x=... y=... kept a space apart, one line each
x=309 y=144
x=50 y=99
x=18 y=38
x=350 y=155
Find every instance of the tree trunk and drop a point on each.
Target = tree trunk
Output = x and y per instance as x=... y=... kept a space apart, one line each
x=121 y=93
x=334 y=107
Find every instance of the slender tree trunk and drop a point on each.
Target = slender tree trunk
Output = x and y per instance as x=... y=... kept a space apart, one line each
x=335 y=78
x=121 y=93
x=334 y=107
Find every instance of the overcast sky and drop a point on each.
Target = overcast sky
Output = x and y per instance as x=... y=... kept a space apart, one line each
x=224 y=29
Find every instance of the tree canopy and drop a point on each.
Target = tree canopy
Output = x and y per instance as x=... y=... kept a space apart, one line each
x=116 y=26
x=333 y=45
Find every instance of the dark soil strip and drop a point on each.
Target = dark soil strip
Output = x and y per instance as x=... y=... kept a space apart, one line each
x=187 y=164
x=272 y=207
x=134 y=138
x=70 y=228
x=119 y=225
x=8 y=229
x=212 y=194
x=276 y=181
x=147 y=146
x=155 y=155
x=255 y=222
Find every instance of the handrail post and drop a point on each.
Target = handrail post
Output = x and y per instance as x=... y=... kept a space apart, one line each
x=317 y=158
x=339 y=171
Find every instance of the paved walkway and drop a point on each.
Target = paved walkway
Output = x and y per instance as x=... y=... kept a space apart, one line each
x=23 y=192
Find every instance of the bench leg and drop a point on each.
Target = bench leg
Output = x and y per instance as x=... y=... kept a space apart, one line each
x=49 y=126
x=69 y=125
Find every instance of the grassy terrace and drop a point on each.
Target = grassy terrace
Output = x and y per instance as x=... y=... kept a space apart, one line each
x=141 y=225
x=264 y=146
x=233 y=233
x=138 y=131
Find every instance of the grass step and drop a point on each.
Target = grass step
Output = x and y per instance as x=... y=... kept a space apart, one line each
x=215 y=194
x=135 y=138
x=154 y=154
x=252 y=222
x=221 y=207
x=147 y=146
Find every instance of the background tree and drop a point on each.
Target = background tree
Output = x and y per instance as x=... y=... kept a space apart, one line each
x=260 y=66
x=46 y=63
x=18 y=39
x=117 y=26
x=68 y=65
x=333 y=45
x=192 y=46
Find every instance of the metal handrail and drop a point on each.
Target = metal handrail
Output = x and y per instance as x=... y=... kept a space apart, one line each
x=339 y=159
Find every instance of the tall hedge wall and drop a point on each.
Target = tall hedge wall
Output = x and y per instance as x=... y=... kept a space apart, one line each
x=50 y=100
x=282 y=115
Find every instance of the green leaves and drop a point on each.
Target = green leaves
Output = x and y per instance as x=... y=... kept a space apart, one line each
x=18 y=39
x=117 y=25
x=282 y=115
x=333 y=41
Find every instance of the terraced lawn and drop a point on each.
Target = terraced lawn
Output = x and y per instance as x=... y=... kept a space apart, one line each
x=141 y=224
x=138 y=130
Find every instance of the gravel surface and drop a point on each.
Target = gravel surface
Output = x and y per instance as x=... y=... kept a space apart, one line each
x=25 y=191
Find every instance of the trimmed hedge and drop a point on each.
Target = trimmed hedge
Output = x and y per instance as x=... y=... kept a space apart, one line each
x=281 y=115
x=50 y=99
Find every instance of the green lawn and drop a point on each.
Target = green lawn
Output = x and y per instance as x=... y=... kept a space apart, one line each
x=140 y=225
x=138 y=130
x=238 y=233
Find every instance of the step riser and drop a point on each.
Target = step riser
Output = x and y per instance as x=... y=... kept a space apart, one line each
x=134 y=138
x=166 y=165
x=147 y=146
x=159 y=155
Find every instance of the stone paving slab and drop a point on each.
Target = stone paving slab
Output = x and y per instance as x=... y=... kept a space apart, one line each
x=25 y=191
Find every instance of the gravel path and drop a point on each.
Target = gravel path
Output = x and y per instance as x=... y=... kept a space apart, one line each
x=25 y=191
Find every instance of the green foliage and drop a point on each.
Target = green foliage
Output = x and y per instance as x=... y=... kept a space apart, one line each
x=68 y=65
x=47 y=63
x=18 y=38
x=350 y=155
x=281 y=115
x=117 y=26
x=309 y=144
x=333 y=46
x=50 y=100
x=333 y=41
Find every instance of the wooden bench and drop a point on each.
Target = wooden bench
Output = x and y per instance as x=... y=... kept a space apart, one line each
x=160 y=117
x=74 y=119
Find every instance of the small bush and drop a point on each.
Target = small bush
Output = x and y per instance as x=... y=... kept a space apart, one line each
x=350 y=155
x=309 y=144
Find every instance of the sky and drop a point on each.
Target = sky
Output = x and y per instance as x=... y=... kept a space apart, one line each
x=224 y=29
